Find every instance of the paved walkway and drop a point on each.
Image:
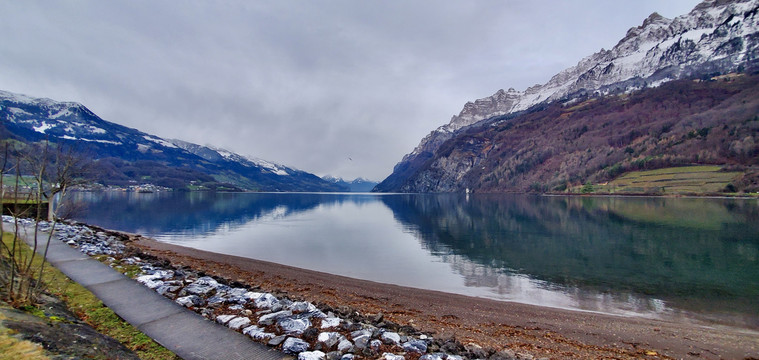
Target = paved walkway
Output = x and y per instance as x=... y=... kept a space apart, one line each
x=180 y=330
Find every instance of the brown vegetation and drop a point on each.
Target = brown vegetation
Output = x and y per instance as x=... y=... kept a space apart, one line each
x=548 y=149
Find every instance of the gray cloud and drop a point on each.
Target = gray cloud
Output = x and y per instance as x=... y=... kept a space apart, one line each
x=307 y=84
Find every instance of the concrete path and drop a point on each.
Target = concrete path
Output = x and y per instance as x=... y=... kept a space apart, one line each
x=180 y=330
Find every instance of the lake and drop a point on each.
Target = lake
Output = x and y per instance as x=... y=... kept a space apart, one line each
x=686 y=259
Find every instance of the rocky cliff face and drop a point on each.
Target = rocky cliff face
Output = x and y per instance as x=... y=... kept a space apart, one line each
x=716 y=37
x=502 y=102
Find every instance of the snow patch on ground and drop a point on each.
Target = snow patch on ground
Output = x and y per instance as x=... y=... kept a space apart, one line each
x=43 y=127
x=17 y=98
x=63 y=112
x=97 y=130
x=160 y=141
x=67 y=137
x=229 y=155
x=272 y=167
x=696 y=34
x=16 y=111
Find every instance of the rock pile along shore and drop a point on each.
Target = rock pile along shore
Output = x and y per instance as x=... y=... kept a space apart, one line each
x=299 y=328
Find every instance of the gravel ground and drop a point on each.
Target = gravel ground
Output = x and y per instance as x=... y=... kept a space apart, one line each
x=475 y=322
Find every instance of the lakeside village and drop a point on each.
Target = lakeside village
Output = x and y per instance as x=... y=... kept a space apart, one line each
x=137 y=188
x=141 y=188
x=26 y=193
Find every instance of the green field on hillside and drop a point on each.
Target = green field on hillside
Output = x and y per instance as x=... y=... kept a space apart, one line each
x=702 y=179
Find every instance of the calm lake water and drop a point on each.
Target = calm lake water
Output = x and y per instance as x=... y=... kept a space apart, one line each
x=686 y=259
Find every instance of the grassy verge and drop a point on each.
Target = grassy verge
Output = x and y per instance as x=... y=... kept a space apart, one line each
x=686 y=180
x=91 y=310
x=13 y=349
x=11 y=202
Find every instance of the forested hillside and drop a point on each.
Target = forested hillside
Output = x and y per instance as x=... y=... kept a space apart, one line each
x=703 y=121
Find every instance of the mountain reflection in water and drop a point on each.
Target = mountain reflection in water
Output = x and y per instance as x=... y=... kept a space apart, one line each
x=655 y=257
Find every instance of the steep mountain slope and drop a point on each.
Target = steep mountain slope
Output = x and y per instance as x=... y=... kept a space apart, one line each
x=716 y=37
x=259 y=173
x=547 y=149
x=125 y=155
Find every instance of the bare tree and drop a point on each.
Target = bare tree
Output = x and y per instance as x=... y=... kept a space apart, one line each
x=49 y=173
x=67 y=169
x=15 y=264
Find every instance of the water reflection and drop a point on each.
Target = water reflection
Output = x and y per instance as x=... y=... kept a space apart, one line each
x=646 y=256
x=697 y=255
x=195 y=213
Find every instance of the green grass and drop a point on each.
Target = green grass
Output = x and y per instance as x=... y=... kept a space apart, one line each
x=698 y=180
x=12 y=348
x=129 y=271
x=25 y=180
x=91 y=310
x=10 y=202
x=10 y=180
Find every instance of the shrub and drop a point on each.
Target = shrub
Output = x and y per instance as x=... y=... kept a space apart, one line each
x=587 y=188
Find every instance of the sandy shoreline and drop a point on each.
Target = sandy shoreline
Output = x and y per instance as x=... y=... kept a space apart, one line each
x=541 y=331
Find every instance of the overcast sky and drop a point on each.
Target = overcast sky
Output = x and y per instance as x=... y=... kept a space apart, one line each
x=331 y=87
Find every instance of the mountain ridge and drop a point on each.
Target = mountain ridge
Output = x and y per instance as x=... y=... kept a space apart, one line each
x=716 y=37
x=553 y=148
x=356 y=185
x=128 y=156
x=642 y=45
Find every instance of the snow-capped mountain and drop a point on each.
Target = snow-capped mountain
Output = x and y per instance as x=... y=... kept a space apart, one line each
x=212 y=153
x=38 y=118
x=34 y=119
x=716 y=37
x=355 y=185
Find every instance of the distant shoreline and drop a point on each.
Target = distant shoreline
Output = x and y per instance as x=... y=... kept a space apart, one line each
x=633 y=195
x=674 y=196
